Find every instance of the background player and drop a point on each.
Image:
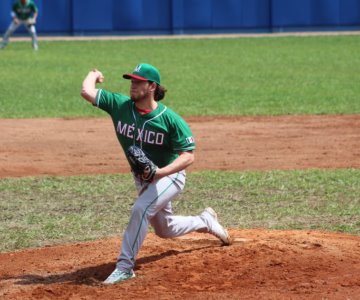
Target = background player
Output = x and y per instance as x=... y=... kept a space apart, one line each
x=167 y=140
x=24 y=12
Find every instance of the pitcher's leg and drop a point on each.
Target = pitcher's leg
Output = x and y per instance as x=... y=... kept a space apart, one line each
x=166 y=225
x=154 y=198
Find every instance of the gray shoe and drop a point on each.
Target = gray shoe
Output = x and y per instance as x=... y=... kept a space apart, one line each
x=117 y=276
x=210 y=218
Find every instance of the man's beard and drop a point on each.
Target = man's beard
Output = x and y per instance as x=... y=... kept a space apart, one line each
x=137 y=98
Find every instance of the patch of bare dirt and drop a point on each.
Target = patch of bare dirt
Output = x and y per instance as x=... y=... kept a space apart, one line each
x=31 y=147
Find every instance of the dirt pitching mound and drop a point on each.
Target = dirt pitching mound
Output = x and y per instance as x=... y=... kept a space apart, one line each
x=260 y=264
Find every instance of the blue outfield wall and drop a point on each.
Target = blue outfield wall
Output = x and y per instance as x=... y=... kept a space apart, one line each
x=187 y=16
x=315 y=13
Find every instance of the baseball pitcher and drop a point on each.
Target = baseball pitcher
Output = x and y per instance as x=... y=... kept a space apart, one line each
x=24 y=12
x=159 y=146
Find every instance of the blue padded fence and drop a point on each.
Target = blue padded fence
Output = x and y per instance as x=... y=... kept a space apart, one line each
x=188 y=16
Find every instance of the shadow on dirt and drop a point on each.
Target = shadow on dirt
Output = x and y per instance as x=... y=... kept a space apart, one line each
x=90 y=275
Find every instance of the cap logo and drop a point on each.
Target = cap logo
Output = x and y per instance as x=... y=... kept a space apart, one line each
x=137 y=68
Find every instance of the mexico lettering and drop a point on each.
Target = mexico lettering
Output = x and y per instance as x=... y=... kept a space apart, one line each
x=146 y=136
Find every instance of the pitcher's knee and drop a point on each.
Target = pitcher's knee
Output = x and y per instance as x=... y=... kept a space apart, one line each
x=165 y=231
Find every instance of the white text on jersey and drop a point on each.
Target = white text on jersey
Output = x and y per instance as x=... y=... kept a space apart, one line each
x=147 y=136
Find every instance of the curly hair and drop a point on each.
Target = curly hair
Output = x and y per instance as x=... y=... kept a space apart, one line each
x=159 y=93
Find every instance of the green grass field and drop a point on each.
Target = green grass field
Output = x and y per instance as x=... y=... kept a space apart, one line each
x=233 y=76
x=48 y=210
x=242 y=76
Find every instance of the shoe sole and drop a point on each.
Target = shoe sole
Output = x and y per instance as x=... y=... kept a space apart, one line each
x=212 y=212
x=229 y=239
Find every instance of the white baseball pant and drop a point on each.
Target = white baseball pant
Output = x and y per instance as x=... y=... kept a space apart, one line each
x=153 y=206
x=13 y=26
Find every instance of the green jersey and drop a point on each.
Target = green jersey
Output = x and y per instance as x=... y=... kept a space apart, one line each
x=24 y=12
x=162 y=133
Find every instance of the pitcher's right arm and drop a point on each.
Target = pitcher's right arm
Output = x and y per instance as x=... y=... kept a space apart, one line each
x=88 y=89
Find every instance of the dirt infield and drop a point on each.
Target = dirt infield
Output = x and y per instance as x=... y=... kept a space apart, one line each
x=261 y=264
x=31 y=147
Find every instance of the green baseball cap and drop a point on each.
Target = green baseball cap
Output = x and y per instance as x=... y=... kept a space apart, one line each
x=144 y=72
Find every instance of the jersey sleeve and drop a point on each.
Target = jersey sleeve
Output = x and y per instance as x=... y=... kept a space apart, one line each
x=109 y=101
x=182 y=138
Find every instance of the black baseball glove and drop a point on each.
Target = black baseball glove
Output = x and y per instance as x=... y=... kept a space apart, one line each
x=141 y=166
